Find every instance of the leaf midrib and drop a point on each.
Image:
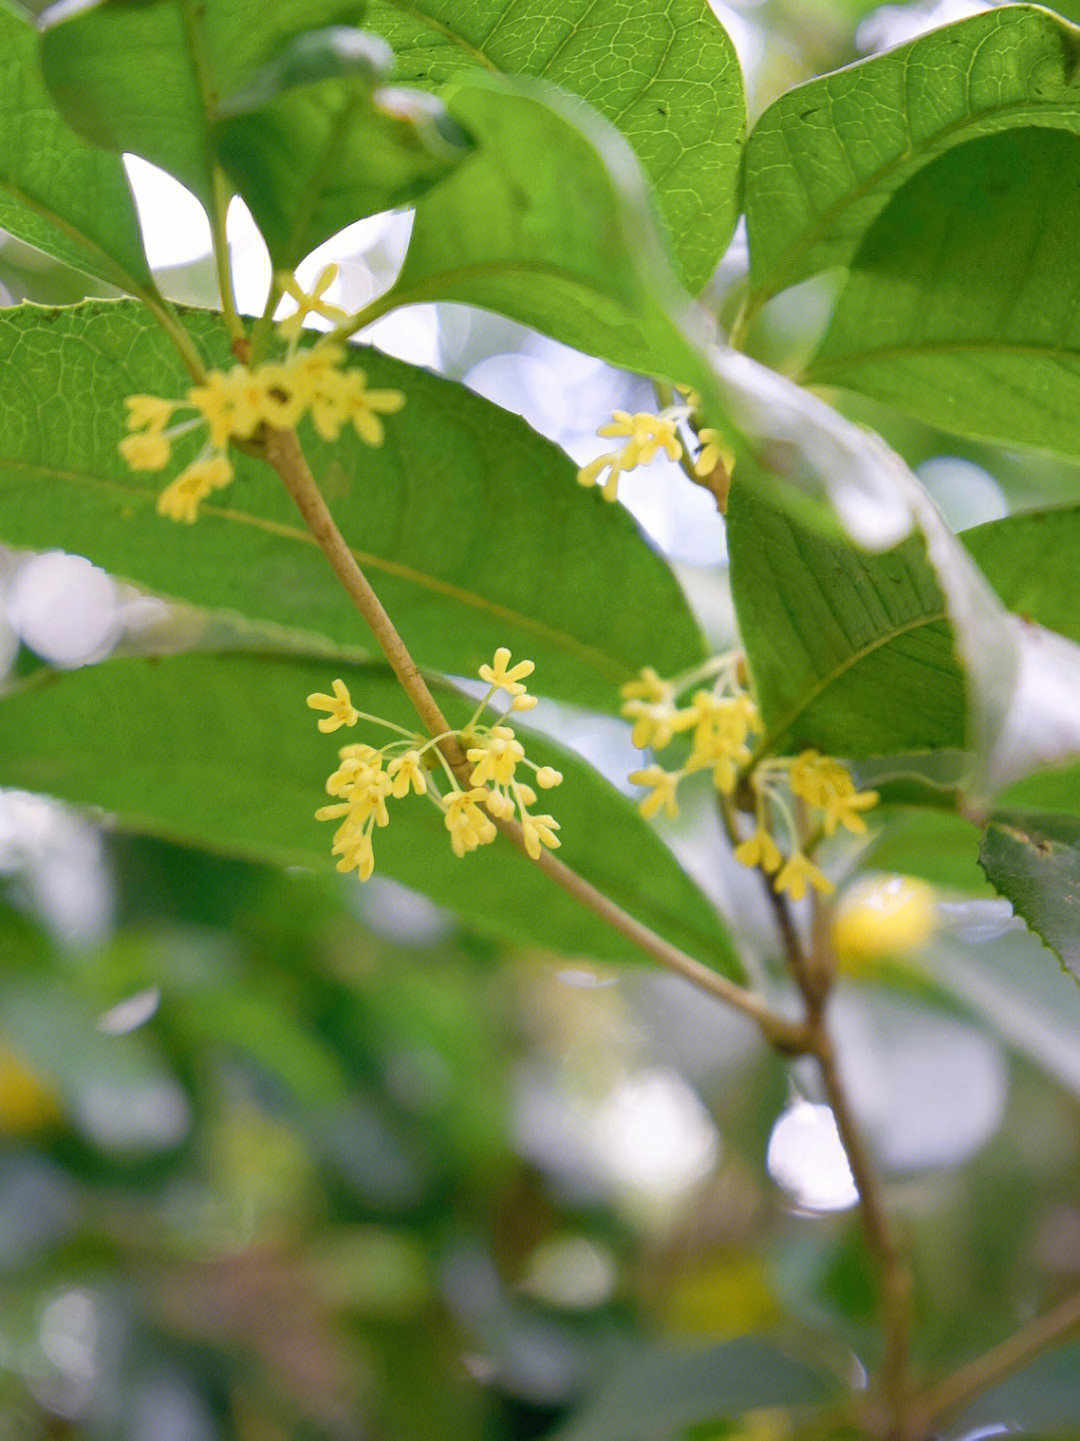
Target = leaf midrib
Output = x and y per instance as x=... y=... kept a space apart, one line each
x=560 y=640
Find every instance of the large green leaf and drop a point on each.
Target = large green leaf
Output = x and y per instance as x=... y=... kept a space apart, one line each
x=666 y=75
x=1033 y=858
x=958 y=308
x=221 y=750
x=1020 y=680
x=850 y=652
x=825 y=158
x=470 y=525
x=56 y=192
x=1030 y=560
x=311 y=145
x=151 y=78
x=567 y=245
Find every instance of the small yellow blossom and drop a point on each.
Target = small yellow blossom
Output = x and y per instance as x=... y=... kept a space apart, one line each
x=547 y=777
x=308 y=303
x=647 y=434
x=148 y=412
x=146 y=450
x=826 y=784
x=496 y=758
x=648 y=686
x=339 y=707
x=406 y=770
x=502 y=676
x=469 y=827
x=216 y=402
x=760 y=850
x=663 y=785
x=713 y=453
x=363 y=407
x=796 y=871
x=180 y=500
x=539 y=831
x=284 y=395
x=357 y=854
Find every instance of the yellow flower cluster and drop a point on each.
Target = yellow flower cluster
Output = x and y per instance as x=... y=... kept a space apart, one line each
x=719 y=723
x=367 y=777
x=646 y=435
x=233 y=404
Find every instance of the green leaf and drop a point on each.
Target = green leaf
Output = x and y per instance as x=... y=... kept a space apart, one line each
x=152 y=78
x=661 y=1392
x=57 y=192
x=958 y=308
x=1033 y=859
x=667 y=76
x=934 y=845
x=850 y=652
x=567 y=246
x=1030 y=560
x=220 y=750
x=824 y=159
x=539 y=564
x=311 y=145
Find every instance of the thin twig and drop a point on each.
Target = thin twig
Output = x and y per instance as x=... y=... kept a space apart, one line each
x=995 y=1365
x=282 y=450
x=813 y=975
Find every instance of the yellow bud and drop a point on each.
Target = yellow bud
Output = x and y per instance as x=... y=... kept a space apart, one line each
x=882 y=916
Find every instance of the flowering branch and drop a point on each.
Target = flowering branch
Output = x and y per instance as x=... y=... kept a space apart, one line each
x=281 y=449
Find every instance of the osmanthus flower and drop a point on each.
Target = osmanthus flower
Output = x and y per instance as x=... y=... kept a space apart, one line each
x=647 y=434
x=796 y=873
x=367 y=777
x=719 y=724
x=339 y=707
x=181 y=499
x=827 y=785
x=308 y=302
x=232 y=405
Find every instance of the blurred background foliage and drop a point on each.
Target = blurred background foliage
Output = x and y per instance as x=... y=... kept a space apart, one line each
x=284 y=1159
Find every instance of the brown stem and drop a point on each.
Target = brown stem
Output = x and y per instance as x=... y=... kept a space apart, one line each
x=995 y=1365
x=813 y=973
x=282 y=450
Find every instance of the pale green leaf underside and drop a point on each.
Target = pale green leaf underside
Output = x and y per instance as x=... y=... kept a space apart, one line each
x=567 y=245
x=826 y=157
x=312 y=145
x=56 y=192
x=221 y=751
x=963 y=302
x=665 y=74
x=151 y=78
x=851 y=653
x=469 y=524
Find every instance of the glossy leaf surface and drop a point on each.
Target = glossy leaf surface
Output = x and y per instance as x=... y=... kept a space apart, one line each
x=312 y=145
x=221 y=751
x=56 y=192
x=959 y=306
x=667 y=76
x=825 y=159
x=471 y=526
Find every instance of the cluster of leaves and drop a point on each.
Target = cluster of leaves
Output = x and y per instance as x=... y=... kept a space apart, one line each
x=937 y=178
